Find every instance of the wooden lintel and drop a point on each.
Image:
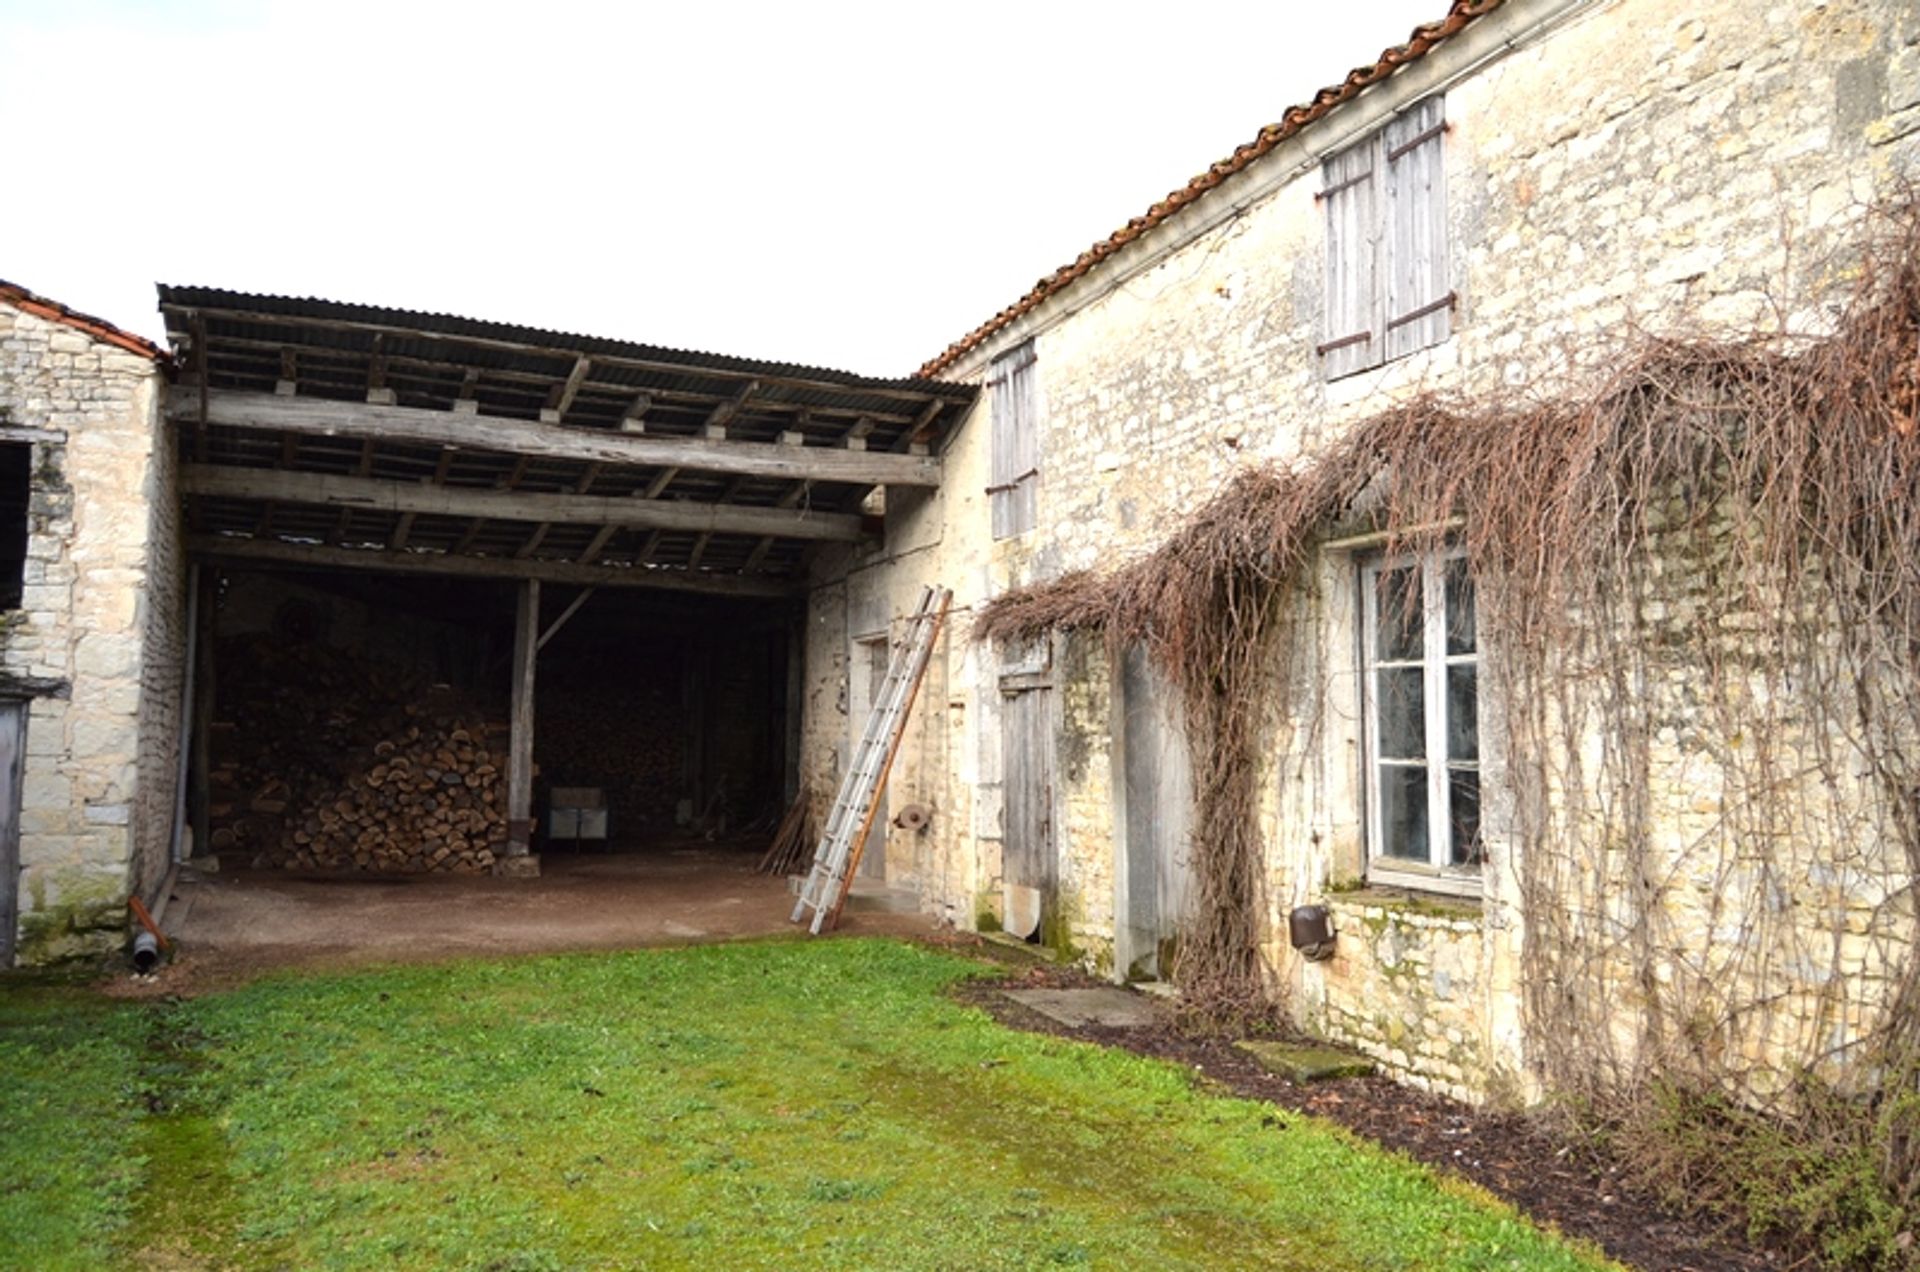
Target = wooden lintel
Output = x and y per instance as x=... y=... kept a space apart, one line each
x=379 y=495
x=413 y=425
x=243 y=551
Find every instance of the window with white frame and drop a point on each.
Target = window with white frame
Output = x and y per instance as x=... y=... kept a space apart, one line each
x=1420 y=680
x=1011 y=499
x=1386 y=208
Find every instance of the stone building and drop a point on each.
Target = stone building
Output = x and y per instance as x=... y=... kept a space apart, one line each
x=91 y=640
x=1502 y=204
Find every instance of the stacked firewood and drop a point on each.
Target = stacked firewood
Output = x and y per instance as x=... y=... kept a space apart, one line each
x=325 y=761
x=627 y=740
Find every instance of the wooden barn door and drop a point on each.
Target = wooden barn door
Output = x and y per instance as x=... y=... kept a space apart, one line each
x=1026 y=767
x=13 y=749
x=1155 y=797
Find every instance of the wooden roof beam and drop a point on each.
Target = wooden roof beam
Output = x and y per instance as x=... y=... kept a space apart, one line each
x=855 y=438
x=401 y=424
x=378 y=394
x=918 y=437
x=468 y=403
x=320 y=556
x=634 y=418
x=722 y=414
x=563 y=398
x=216 y=481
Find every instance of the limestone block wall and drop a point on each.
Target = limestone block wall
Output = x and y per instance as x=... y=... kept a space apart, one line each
x=1414 y=984
x=1613 y=167
x=96 y=645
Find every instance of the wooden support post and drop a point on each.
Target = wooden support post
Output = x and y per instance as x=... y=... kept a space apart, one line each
x=526 y=639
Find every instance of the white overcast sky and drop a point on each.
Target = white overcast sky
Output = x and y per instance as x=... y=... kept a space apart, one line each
x=848 y=185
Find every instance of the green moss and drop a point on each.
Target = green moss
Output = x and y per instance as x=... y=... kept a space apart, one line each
x=1430 y=905
x=986 y=916
x=88 y=920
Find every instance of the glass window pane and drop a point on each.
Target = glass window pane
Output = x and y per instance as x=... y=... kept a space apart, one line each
x=1460 y=617
x=1403 y=811
x=1398 y=613
x=1463 y=811
x=1401 y=713
x=1463 y=713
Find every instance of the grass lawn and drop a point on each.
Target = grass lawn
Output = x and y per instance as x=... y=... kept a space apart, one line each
x=778 y=1104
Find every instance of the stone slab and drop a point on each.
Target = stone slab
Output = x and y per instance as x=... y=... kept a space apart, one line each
x=1307 y=1064
x=1109 y=1007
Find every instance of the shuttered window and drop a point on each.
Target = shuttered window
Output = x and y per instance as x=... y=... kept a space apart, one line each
x=1386 y=208
x=1016 y=444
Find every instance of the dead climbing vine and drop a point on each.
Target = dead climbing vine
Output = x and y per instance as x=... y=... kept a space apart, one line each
x=1699 y=599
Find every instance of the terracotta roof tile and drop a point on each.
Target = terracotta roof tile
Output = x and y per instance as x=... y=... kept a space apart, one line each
x=99 y=328
x=1423 y=39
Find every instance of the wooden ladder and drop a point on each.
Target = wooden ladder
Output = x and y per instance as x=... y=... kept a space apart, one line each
x=845 y=836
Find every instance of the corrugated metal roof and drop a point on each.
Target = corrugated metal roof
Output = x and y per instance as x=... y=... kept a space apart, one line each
x=1423 y=40
x=425 y=325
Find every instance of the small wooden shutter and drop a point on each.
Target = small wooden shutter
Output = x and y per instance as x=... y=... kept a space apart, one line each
x=1012 y=497
x=1419 y=302
x=1352 y=198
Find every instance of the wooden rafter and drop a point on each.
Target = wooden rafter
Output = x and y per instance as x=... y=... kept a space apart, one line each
x=563 y=401
x=380 y=495
x=723 y=412
x=412 y=425
x=320 y=556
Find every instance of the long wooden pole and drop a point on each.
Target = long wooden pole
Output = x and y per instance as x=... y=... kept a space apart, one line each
x=893 y=749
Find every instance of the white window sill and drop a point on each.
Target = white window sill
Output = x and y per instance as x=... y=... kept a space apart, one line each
x=1385 y=872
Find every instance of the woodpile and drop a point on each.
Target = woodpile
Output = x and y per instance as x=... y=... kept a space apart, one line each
x=625 y=734
x=326 y=762
x=791 y=851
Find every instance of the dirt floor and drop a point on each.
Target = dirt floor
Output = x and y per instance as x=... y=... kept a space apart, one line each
x=1505 y=1154
x=229 y=926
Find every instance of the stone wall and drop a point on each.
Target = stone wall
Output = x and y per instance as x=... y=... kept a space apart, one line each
x=1613 y=169
x=97 y=641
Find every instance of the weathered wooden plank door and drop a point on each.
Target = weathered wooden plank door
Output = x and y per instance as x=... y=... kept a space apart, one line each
x=1026 y=767
x=13 y=750
x=1152 y=879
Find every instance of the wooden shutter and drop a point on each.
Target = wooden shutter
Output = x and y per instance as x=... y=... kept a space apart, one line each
x=1419 y=301
x=1352 y=200
x=1012 y=496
